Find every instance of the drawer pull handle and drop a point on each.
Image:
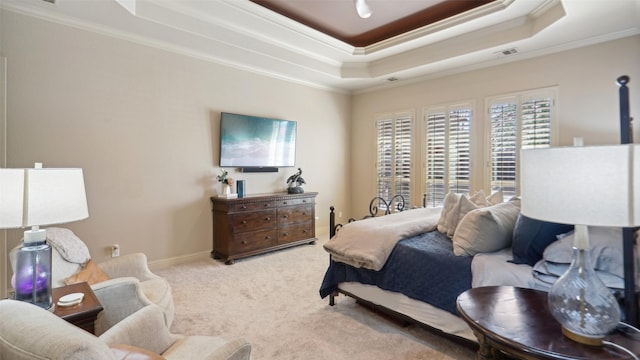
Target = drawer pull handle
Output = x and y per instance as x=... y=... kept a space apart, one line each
x=267 y=219
x=244 y=206
x=244 y=222
x=286 y=216
x=284 y=203
x=304 y=201
x=304 y=213
x=304 y=231
x=267 y=237
x=244 y=242
x=285 y=234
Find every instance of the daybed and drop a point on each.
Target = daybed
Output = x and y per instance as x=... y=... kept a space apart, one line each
x=415 y=263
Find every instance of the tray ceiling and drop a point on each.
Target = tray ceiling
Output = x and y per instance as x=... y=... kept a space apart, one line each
x=324 y=43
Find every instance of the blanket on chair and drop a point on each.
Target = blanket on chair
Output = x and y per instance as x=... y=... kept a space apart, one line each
x=368 y=243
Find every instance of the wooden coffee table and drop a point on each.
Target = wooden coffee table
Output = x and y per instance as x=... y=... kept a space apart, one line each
x=515 y=322
x=82 y=315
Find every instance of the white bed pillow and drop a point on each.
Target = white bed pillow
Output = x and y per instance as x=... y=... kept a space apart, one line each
x=455 y=208
x=606 y=249
x=450 y=203
x=466 y=205
x=550 y=272
x=486 y=229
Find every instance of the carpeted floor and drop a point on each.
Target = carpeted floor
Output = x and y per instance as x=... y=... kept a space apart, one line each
x=272 y=300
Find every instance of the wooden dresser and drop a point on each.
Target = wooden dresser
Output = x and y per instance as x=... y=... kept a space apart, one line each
x=259 y=223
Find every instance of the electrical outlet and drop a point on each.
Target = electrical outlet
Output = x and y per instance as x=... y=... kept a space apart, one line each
x=339 y=214
x=115 y=250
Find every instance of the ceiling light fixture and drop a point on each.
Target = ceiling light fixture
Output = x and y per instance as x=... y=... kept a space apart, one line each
x=363 y=9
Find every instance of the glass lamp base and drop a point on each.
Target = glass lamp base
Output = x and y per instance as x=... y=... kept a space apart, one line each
x=591 y=340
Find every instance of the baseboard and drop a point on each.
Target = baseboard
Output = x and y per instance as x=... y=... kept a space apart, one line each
x=166 y=263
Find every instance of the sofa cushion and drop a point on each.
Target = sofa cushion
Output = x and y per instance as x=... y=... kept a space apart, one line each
x=531 y=237
x=486 y=229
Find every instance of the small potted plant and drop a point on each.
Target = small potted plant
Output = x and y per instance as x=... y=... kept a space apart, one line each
x=226 y=182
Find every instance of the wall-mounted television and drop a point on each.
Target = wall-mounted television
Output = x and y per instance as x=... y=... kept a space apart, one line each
x=256 y=142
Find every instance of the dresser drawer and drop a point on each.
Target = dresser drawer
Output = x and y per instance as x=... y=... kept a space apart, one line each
x=253 y=206
x=254 y=240
x=292 y=202
x=295 y=214
x=295 y=232
x=253 y=221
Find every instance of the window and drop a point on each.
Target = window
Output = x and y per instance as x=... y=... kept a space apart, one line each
x=521 y=121
x=394 y=165
x=448 y=150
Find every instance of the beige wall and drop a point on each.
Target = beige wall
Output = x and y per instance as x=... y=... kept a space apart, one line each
x=587 y=101
x=143 y=124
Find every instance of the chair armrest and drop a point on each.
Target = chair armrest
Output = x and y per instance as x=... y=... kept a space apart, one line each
x=120 y=298
x=146 y=328
x=128 y=265
x=208 y=348
x=236 y=349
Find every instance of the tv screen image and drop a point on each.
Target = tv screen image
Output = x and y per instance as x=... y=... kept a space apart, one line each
x=252 y=141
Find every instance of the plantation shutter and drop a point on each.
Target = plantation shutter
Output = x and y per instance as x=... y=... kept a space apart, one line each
x=504 y=145
x=520 y=122
x=459 y=150
x=448 y=152
x=394 y=143
x=436 y=158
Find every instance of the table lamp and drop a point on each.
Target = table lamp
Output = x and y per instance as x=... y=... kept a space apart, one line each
x=37 y=197
x=584 y=186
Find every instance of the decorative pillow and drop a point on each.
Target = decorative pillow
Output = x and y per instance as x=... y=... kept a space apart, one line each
x=68 y=245
x=549 y=273
x=606 y=250
x=91 y=273
x=465 y=205
x=450 y=203
x=128 y=352
x=496 y=198
x=531 y=237
x=486 y=229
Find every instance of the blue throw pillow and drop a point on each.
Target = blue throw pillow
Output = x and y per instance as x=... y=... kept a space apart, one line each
x=531 y=237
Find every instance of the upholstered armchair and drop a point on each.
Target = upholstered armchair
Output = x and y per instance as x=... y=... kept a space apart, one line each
x=123 y=284
x=30 y=332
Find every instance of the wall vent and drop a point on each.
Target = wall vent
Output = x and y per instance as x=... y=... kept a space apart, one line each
x=508 y=52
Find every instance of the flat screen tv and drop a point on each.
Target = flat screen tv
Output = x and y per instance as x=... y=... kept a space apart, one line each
x=256 y=142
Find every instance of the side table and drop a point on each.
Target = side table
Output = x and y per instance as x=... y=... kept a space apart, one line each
x=515 y=322
x=82 y=315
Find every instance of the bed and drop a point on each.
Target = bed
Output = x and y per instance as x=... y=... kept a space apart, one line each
x=422 y=276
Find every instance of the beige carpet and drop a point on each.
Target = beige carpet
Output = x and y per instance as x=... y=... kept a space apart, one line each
x=272 y=300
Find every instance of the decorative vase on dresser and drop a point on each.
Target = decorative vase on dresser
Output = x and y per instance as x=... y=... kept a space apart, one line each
x=257 y=224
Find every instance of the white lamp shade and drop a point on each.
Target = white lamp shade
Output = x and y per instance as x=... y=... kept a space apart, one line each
x=37 y=197
x=596 y=185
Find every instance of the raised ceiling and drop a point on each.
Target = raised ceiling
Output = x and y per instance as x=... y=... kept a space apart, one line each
x=391 y=18
x=252 y=37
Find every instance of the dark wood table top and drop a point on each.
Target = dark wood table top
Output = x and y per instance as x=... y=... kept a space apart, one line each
x=90 y=306
x=519 y=319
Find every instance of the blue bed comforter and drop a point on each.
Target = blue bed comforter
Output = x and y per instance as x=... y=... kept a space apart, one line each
x=422 y=267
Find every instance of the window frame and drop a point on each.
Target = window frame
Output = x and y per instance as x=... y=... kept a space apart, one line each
x=519 y=97
x=394 y=117
x=447 y=109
